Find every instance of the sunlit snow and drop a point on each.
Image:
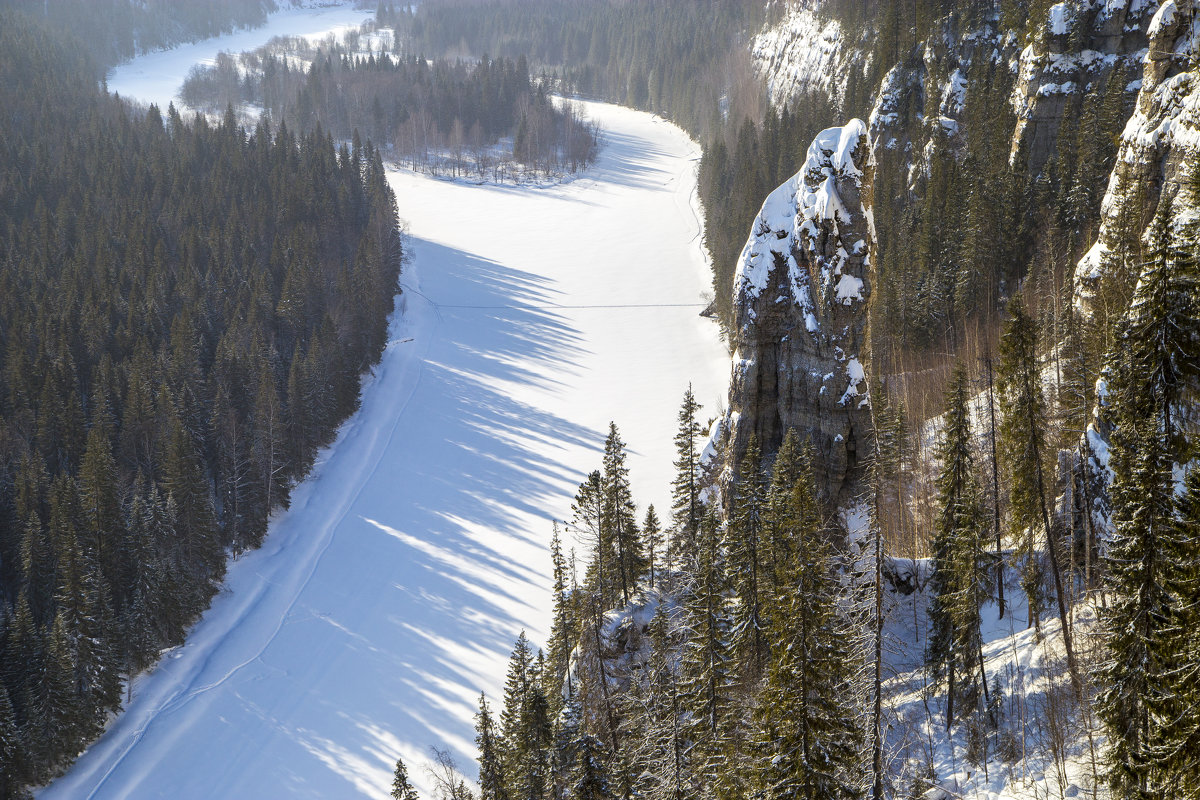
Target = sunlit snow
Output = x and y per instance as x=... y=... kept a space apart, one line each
x=390 y=594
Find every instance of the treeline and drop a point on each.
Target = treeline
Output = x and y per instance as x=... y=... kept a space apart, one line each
x=185 y=312
x=676 y=59
x=441 y=115
x=111 y=31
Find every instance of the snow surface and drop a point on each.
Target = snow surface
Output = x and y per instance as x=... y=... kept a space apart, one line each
x=390 y=594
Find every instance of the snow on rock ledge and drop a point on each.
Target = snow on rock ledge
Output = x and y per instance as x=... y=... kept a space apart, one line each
x=1159 y=142
x=800 y=297
x=800 y=55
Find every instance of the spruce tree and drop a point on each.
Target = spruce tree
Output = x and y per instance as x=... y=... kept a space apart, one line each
x=958 y=586
x=652 y=534
x=491 y=772
x=401 y=788
x=617 y=517
x=808 y=739
x=12 y=752
x=1023 y=434
x=744 y=543
x=1150 y=564
x=686 y=510
x=706 y=666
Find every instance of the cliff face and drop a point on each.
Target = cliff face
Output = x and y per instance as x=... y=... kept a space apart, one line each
x=801 y=291
x=1075 y=49
x=919 y=101
x=1159 y=147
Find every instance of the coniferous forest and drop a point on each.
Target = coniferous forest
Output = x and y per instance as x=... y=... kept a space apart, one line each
x=188 y=308
x=186 y=312
x=438 y=116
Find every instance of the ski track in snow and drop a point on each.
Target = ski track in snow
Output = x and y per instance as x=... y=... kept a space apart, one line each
x=389 y=595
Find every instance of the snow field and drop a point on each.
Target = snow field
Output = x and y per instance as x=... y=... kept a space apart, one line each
x=391 y=592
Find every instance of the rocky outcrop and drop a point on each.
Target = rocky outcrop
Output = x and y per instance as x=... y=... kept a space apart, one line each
x=800 y=294
x=1159 y=147
x=1074 y=50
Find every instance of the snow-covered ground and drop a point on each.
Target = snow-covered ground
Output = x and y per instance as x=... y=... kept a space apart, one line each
x=390 y=594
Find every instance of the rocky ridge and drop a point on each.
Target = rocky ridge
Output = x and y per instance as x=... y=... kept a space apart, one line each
x=800 y=291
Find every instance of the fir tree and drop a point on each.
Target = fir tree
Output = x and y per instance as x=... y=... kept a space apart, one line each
x=745 y=562
x=686 y=510
x=12 y=752
x=1023 y=435
x=491 y=772
x=807 y=737
x=959 y=584
x=617 y=517
x=706 y=668
x=652 y=534
x=401 y=788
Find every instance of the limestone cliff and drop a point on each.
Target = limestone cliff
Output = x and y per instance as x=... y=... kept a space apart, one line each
x=1159 y=147
x=800 y=294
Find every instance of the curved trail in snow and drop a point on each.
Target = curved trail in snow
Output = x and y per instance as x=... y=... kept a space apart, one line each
x=388 y=597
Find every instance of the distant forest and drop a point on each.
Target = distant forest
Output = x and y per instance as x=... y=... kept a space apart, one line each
x=185 y=314
x=112 y=31
x=441 y=116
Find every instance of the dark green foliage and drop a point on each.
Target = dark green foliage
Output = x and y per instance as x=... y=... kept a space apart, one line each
x=525 y=726
x=807 y=738
x=401 y=788
x=421 y=108
x=1022 y=443
x=959 y=582
x=746 y=562
x=686 y=509
x=113 y=30
x=148 y=423
x=1148 y=698
x=491 y=772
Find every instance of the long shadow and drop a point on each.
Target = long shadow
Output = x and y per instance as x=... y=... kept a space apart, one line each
x=451 y=497
x=430 y=571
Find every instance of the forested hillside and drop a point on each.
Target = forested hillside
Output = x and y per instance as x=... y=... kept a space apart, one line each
x=185 y=313
x=114 y=30
x=438 y=115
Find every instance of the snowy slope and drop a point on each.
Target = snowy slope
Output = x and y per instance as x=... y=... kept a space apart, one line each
x=389 y=595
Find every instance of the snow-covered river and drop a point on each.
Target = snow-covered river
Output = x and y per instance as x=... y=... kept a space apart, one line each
x=390 y=594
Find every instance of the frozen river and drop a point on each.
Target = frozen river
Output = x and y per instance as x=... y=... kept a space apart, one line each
x=390 y=594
